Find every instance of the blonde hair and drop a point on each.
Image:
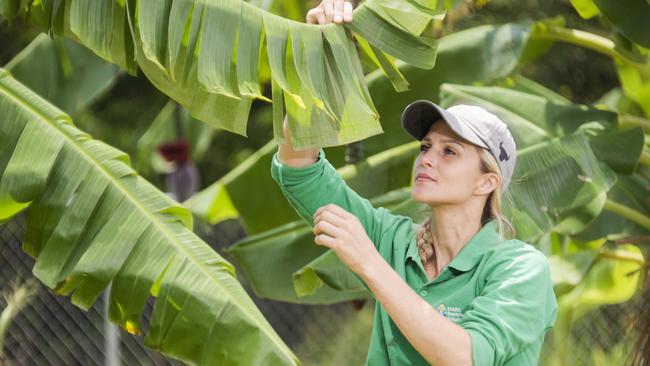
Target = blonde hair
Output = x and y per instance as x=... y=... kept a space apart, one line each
x=491 y=210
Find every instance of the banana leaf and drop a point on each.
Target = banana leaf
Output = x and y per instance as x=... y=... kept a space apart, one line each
x=631 y=191
x=65 y=73
x=91 y=221
x=205 y=54
x=456 y=61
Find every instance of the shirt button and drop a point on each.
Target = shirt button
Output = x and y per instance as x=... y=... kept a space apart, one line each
x=423 y=292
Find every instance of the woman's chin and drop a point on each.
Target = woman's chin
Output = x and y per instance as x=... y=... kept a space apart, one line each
x=422 y=198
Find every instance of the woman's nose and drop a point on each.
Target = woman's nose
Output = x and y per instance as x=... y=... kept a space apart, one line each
x=427 y=159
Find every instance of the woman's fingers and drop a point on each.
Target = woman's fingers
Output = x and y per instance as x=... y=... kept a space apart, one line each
x=325 y=240
x=347 y=12
x=328 y=6
x=330 y=217
x=328 y=11
x=326 y=228
x=338 y=11
x=316 y=16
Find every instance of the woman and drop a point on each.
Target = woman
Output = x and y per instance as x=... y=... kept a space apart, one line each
x=449 y=291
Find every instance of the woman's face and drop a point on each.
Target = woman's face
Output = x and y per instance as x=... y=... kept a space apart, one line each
x=452 y=163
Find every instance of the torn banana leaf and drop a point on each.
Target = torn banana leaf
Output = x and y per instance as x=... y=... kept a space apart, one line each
x=207 y=55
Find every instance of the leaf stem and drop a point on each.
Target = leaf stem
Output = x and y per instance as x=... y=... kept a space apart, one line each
x=622 y=255
x=629 y=121
x=628 y=213
x=590 y=40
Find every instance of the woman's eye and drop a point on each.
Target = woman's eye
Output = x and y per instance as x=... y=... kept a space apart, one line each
x=423 y=147
x=448 y=150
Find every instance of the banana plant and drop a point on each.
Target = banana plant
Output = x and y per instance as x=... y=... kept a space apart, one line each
x=92 y=220
x=205 y=54
x=237 y=192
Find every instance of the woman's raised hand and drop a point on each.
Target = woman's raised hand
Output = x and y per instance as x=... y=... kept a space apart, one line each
x=328 y=11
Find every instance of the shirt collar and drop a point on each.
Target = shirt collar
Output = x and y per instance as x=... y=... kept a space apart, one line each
x=471 y=253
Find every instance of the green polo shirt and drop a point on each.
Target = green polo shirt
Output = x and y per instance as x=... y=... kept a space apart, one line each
x=499 y=291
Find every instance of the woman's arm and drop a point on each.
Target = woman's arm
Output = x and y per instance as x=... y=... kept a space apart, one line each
x=439 y=340
x=297 y=159
x=328 y=11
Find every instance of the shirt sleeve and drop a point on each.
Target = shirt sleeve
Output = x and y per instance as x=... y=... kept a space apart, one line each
x=515 y=308
x=311 y=187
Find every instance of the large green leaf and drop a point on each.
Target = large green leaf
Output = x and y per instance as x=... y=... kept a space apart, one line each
x=551 y=181
x=205 y=54
x=631 y=191
x=526 y=85
x=65 y=73
x=93 y=221
x=501 y=45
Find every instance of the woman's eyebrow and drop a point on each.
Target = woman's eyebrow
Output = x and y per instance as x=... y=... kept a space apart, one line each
x=453 y=142
x=426 y=139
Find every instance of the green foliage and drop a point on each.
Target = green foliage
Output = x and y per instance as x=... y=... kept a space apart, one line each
x=65 y=73
x=206 y=56
x=93 y=221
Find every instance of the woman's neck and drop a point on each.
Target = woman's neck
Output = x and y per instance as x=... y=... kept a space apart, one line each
x=452 y=227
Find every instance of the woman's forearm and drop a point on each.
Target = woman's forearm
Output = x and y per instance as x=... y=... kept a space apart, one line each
x=287 y=155
x=439 y=340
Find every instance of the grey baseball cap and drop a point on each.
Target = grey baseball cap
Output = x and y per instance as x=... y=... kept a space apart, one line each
x=473 y=123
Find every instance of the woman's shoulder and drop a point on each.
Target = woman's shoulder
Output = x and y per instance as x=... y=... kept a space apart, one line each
x=517 y=255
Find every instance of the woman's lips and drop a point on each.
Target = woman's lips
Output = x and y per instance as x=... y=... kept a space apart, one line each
x=423 y=178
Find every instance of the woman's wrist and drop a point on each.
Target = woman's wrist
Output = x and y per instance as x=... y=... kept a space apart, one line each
x=297 y=159
x=372 y=269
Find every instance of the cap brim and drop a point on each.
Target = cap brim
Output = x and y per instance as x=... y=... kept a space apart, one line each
x=418 y=117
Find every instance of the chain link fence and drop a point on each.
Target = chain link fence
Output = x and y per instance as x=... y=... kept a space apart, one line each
x=52 y=331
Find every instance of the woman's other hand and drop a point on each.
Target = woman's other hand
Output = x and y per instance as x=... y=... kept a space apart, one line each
x=341 y=231
x=328 y=11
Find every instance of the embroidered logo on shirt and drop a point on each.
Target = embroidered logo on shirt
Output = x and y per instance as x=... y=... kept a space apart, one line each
x=453 y=313
x=442 y=310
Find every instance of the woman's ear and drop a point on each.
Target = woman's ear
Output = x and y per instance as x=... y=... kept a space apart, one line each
x=487 y=183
